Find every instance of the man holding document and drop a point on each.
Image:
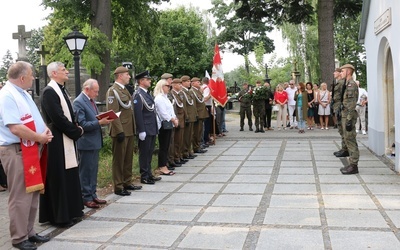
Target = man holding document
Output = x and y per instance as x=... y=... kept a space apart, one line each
x=89 y=145
x=122 y=132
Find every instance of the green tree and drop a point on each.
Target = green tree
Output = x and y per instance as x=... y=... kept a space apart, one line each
x=7 y=60
x=183 y=43
x=33 y=44
x=240 y=35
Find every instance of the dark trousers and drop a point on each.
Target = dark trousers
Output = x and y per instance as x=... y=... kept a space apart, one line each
x=245 y=111
x=88 y=168
x=207 y=126
x=3 y=177
x=164 y=140
x=267 y=117
x=187 y=139
x=146 y=149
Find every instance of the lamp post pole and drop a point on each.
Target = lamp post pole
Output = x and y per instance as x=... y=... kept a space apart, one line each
x=77 y=73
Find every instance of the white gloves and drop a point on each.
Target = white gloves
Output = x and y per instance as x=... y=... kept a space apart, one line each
x=142 y=136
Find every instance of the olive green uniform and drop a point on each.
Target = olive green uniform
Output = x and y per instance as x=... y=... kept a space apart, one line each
x=202 y=114
x=259 y=113
x=245 y=107
x=190 y=119
x=179 y=131
x=119 y=100
x=337 y=102
x=349 y=114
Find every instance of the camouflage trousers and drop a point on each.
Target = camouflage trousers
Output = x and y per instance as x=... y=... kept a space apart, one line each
x=259 y=113
x=350 y=137
x=245 y=111
x=340 y=130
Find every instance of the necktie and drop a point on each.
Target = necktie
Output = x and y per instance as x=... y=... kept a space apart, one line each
x=94 y=105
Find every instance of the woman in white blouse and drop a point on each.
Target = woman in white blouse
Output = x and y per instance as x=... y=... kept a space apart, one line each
x=165 y=112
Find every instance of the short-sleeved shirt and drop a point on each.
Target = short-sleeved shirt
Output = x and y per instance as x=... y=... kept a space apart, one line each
x=9 y=114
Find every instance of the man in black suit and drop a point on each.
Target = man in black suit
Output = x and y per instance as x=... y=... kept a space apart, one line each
x=146 y=126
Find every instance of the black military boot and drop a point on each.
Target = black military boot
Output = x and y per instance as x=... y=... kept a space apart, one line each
x=350 y=169
x=241 y=129
x=338 y=152
x=343 y=154
x=250 y=128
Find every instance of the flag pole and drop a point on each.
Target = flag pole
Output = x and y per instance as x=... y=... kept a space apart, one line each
x=214 y=121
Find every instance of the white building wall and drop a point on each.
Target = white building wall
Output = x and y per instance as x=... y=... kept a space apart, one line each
x=375 y=48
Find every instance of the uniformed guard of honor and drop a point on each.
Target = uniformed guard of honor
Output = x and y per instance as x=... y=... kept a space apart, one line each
x=349 y=96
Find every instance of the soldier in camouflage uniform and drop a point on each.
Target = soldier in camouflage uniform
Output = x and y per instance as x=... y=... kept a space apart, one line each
x=349 y=118
x=244 y=98
x=259 y=109
x=337 y=105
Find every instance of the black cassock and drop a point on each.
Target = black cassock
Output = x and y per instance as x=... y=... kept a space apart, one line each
x=62 y=200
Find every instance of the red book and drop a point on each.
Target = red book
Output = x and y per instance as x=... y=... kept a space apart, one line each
x=111 y=115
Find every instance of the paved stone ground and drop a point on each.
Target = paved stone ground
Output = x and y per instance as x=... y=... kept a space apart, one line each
x=277 y=190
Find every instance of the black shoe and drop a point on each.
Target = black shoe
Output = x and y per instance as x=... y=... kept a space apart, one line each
x=241 y=129
x=132 y=187
x=261 y=131
x=205 y=145
x=343 y=154
x=158 y=178
x=122 y=192
x=350 y=169
x=174 y=164
x=177 y=163
x=38 y=238
x=256 y=131
x=25 y=245
x=194 y=156
x=337 y=152
x=250 y=129
x=147 y=181
x=200 y=151
x=187 y=158
x=170 y=168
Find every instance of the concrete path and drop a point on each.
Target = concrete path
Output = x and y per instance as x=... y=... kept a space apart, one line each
x=277 y=190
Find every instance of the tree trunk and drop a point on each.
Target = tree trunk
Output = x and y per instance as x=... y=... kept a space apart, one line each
x=101 y=19
x=325 y=40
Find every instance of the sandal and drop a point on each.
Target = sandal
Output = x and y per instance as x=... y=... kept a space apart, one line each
x=169 y=173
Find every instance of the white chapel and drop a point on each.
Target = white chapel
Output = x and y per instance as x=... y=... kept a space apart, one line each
x=380 y=33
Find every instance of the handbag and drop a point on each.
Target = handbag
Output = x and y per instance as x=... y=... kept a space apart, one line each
x=275 y=108
x=167 y=125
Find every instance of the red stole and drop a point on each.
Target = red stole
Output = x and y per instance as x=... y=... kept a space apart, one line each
x=34 y=165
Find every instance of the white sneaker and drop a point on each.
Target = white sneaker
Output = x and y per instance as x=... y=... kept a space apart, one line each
x=357 y=131
x=364 y=132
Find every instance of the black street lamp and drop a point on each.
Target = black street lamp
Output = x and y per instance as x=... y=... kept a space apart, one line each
x=76 y=42
x=267 y=79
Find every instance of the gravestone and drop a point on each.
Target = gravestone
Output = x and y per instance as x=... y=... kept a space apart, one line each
x=21 y=36
x=43 y=77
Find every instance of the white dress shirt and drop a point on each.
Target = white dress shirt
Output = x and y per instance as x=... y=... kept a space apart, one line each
x=164 y=109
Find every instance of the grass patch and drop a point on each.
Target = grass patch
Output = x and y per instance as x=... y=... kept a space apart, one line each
x=104 y=177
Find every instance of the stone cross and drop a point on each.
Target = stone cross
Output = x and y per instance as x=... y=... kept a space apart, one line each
x=42 y=52
x=21 y=36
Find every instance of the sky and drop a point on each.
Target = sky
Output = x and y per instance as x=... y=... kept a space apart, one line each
x=32 y=15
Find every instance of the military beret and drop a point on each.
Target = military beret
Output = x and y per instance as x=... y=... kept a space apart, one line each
x=120 y=69
x=195 y=79
x=205 y=80
x=177 y=80
x=166 y=76
x=347 y=66
x=144 y=74
x=185 y=78
x=338 y=70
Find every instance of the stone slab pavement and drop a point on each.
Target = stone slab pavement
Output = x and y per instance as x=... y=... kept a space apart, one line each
x=276 y=190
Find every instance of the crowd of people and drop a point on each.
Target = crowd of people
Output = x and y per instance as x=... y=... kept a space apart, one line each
x=297 y=106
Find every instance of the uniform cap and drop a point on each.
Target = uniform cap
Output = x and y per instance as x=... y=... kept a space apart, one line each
x=338 y=70
x=195 y=79
x=166 y=76
x=144 y=74
x=347 y=66
x=177 y=80
x=120 y=69
x=185 y=78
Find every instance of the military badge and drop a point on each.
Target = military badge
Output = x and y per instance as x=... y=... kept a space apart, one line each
x=110 y=99
x=134 y=101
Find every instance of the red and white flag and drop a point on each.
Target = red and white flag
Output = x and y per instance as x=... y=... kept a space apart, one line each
x=217 y=83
